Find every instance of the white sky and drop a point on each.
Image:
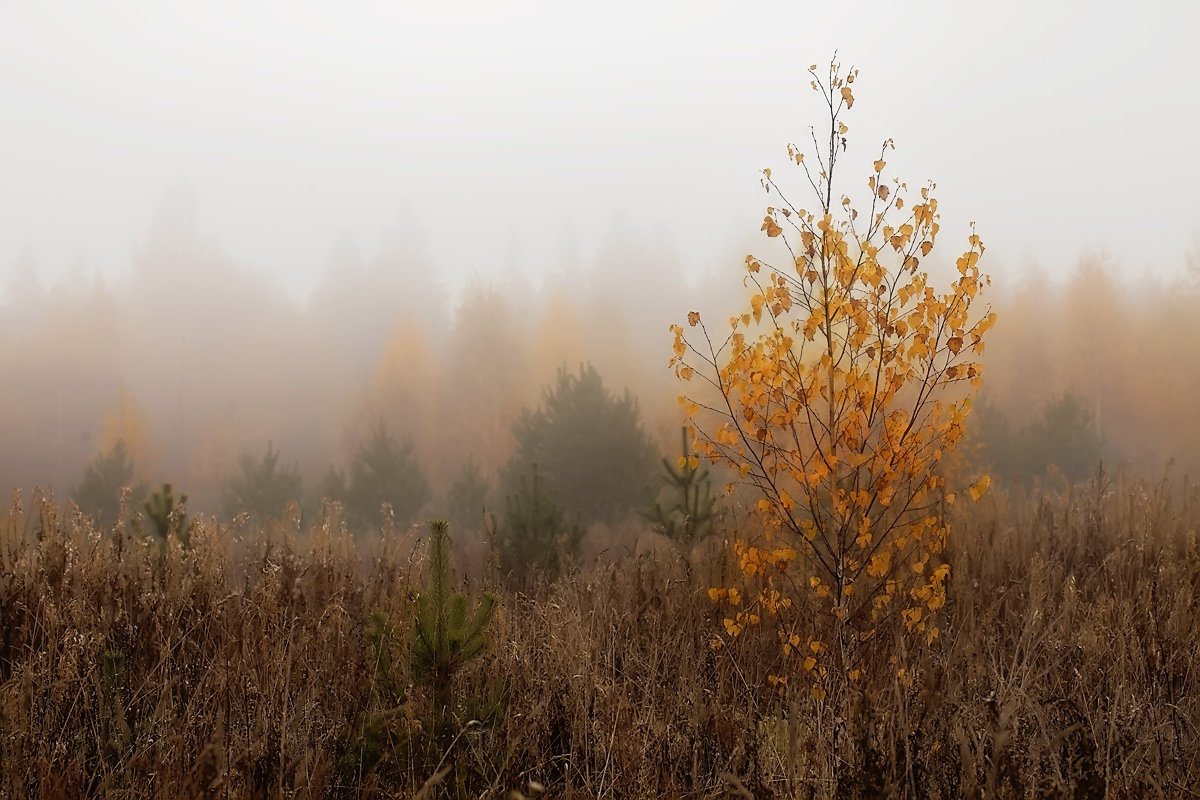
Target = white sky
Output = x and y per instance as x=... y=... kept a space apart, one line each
x=1058 y=126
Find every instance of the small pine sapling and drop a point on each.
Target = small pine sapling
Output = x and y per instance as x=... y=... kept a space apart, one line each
x=449 y=631
x=168 y=515
x=695 y=510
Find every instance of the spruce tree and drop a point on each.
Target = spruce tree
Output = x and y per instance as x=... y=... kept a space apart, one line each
x=99 y=493
x=261 y=487
x=536 y=535
x=694 y=511
x=590 y=445
x=384 y=471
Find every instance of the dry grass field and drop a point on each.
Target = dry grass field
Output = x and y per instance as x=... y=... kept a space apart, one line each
x=274 y=663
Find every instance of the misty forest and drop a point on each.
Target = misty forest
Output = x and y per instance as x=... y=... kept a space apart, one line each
x=865 y=513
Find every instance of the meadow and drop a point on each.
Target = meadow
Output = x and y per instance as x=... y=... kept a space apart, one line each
x=272 y=661
x=237 y=582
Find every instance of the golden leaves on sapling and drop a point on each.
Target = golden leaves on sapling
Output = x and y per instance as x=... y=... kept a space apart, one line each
x=835 y=384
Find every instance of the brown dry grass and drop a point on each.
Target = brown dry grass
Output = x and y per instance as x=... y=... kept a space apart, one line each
x=1069 y=666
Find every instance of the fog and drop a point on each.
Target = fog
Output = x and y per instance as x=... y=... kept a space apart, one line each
x=501 y=127
x=223 y=226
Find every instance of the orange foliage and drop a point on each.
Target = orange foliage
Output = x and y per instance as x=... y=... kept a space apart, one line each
x=128 y=423
x=1126 y=349
x=838 y=392
x=486 y=381
x=400 y=393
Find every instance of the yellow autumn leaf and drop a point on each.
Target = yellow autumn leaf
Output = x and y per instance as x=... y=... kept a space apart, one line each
x=977 y=490
x=771 y=227
x=879 y=165
x=879 y=564
x=911 y=616
x=756 y=302
x=848 y=96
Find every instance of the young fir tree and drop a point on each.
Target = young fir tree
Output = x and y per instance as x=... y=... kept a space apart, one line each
x=261 y=487
x=167 y=515
x=536 y=536
x=99 y=493
x=449 y=631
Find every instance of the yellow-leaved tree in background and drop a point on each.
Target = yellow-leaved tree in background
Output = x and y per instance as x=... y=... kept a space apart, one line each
x=835 y=396
x=128 y=425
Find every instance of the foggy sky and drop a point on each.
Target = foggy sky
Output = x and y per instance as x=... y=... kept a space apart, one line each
x=509 y=131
